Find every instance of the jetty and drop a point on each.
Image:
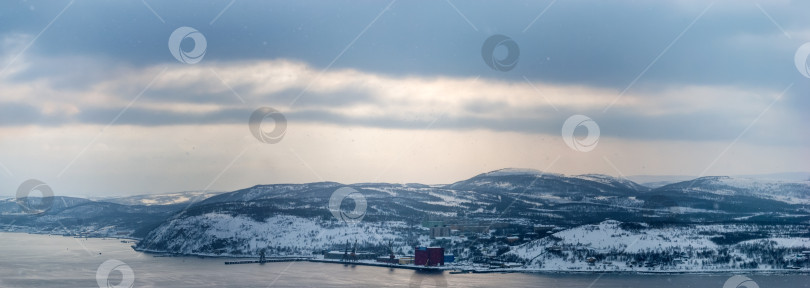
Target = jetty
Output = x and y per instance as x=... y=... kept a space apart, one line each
x=361 y=263
x=270 y=260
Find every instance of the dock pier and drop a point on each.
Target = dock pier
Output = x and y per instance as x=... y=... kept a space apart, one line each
x=269 y=260
x=375 y=264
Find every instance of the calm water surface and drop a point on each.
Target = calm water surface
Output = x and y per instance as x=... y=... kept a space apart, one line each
x=56 y=261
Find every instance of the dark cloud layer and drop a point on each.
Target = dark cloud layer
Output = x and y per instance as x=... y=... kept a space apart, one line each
x=594 y=43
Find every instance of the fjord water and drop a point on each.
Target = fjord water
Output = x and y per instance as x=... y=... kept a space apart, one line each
x=55 y=261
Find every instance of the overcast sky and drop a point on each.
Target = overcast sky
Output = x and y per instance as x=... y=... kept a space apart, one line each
x=93 y=102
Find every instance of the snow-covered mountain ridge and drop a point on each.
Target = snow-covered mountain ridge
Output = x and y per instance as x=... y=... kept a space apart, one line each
x=509 y=214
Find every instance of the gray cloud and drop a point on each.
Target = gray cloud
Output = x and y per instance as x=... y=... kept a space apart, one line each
x=699 y=126
x=577 y=42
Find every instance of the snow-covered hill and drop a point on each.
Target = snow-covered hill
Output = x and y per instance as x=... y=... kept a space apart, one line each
x=222 y=234
x=613 y=181
x=615 y=246
x=163 y=199
x=796 y=192
x=534 y=181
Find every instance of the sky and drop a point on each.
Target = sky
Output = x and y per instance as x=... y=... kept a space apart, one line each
x=98 y=99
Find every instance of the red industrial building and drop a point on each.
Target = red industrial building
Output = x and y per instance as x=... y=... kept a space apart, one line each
x=428 y=256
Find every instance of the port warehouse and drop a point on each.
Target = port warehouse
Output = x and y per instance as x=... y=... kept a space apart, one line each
x=428 y=256
x=341 y=255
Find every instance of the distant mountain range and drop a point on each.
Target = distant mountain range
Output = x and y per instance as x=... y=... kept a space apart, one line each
x=514 y=200
x=655 y=181
x=295 y=218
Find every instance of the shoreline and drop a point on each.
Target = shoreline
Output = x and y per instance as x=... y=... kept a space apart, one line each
x=468 y=270
x=448 y=268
